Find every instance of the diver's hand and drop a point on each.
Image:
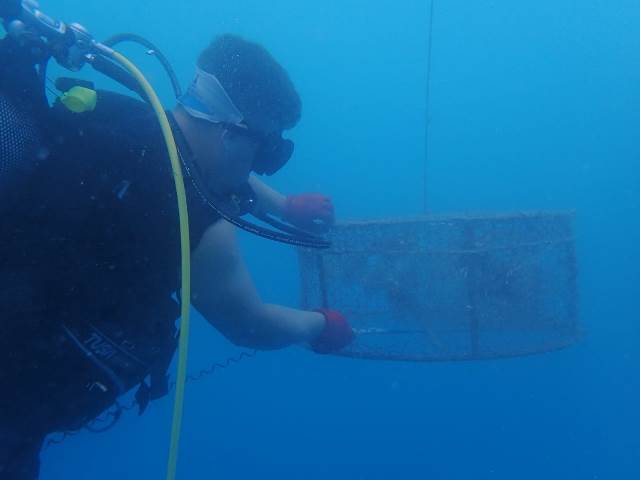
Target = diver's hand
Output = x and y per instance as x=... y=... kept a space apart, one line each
x=337 y=332
x=309 y=211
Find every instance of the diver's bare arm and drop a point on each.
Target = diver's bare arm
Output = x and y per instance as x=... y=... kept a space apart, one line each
x=268 y=200
x=225 y=295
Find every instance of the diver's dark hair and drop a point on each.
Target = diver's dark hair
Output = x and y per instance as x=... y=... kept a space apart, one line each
x=255 y=81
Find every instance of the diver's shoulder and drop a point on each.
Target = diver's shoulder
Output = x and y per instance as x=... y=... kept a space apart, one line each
x=117 y=122
x=126 y=112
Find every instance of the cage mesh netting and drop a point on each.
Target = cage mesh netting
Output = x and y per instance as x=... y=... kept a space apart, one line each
x=450 y=287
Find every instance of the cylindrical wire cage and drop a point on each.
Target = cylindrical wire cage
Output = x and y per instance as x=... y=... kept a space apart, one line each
x=440 y=288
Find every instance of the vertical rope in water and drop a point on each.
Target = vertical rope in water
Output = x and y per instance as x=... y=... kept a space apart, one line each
x=427 y=130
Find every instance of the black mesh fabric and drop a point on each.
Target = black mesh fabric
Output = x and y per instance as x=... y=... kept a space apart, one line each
x=19 y=144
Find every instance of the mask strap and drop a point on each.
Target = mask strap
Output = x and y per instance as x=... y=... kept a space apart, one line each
x=207 y=99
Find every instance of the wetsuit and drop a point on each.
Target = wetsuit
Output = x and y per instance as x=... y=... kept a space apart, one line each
x=89 y=261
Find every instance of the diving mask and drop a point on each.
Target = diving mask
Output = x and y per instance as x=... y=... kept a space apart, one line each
x=207 y=99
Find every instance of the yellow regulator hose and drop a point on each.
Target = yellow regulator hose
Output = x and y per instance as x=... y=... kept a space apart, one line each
x=185 y=256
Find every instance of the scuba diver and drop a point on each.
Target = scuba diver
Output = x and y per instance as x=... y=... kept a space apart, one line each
x=90 y=244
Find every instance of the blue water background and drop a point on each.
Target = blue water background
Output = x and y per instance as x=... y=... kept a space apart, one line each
x=534 y=105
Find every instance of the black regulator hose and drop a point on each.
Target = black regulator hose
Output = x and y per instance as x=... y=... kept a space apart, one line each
x=153 y=50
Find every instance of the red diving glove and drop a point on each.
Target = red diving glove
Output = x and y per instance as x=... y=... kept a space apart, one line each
x=309 y=211
x=337 y=333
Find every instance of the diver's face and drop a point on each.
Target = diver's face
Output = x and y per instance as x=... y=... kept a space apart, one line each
x=225 y=153
x=225 y=158
x=236 y=154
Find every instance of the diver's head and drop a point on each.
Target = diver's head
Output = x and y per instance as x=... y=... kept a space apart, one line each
x=235 y=110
